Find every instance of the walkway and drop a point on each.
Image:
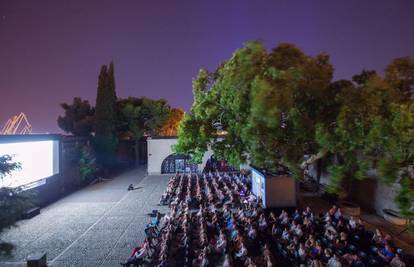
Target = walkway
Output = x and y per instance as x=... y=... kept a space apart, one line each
x=96 y=226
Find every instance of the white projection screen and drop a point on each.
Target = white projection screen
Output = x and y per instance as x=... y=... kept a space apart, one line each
x=39 y=159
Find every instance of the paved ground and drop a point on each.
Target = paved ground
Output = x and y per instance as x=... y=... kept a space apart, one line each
x=96 y=226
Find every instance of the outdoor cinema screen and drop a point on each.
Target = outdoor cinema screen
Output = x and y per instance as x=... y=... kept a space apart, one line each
x=39 y=159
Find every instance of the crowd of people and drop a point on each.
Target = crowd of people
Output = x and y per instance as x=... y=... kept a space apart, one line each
x=214 y=220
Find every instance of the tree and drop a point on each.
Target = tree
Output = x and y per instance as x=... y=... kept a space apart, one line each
x=87 y=164
x=105 y=117
x=13 y=202
x=393 y=143
x=222 y=104
x=288 y=99
x=7 y=166
x=400 y=74
x=141 y=116
x=264 y=102
x=170 y=126
x=282 y=111
x=360 y=105
x=196 y=129
x=78 y=119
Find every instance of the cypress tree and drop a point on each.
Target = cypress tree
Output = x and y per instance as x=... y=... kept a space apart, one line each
x=105 y=117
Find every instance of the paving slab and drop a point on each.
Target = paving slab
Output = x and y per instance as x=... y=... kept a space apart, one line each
x=96 y=226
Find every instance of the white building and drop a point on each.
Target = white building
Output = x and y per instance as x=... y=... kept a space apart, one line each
x=161 y=158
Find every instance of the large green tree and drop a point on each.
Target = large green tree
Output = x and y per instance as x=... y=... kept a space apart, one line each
x=222 y=105
x=141 y=116
x=289 y=97
x=105 y=117
x=360 y=105
x=78 y=119
x=281 y=110
x=391 y=141
x=170 y=126
x=400 y=75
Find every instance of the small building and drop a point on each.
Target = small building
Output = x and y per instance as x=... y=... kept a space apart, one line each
x=162 y=160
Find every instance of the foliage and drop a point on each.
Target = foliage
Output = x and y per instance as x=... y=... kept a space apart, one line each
x=78 y=119
x=222 y=104
x=142 y=116
x=170 y=126
x=7 y=166
x=350 y=140
x=289 y=97
x=394 y=139
x=13 y=202
x=87 y=164
x=277 y=108
x=400 y=74
x=258 y=100
x=105 y=117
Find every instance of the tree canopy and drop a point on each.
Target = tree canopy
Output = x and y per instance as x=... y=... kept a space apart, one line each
x=78 y=119
x=278 y=109
x=105 y=116
x=142 y=116
x=170 y=126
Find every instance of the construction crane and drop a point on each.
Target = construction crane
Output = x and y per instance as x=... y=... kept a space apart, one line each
x=18 y=124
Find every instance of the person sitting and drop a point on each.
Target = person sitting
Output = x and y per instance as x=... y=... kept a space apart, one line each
x=352 y=224
x=220 y=245
x=330 y=232
x=241 y=253
x=296 y=215
x=386 y=253
x=163 y=262
x=338 y=214
x=377 y=237
x=316 y=250
x=298 y=231
x=252 y=233
x=201 y=260
x=138 y=255
x=332 y=211
x=275 y=231
x=262 y=223
x=357 y=261
x=302 y=252
x=283 y=214
x=307 y=212
x=267 y=261
x=272 y=218
x=334 y=261
x=249 y=263
x=310 y=242
x=327 y=254
x=227 y=261
x=285 y=234
x=292 y=245
x=397 y=261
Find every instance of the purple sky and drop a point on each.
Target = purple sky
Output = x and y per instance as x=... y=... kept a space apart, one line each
x=51 y=51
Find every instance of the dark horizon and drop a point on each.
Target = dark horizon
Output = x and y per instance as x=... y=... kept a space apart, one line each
x=51 y=51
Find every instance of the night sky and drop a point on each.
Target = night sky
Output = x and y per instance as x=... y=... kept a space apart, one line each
x=51 y=51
